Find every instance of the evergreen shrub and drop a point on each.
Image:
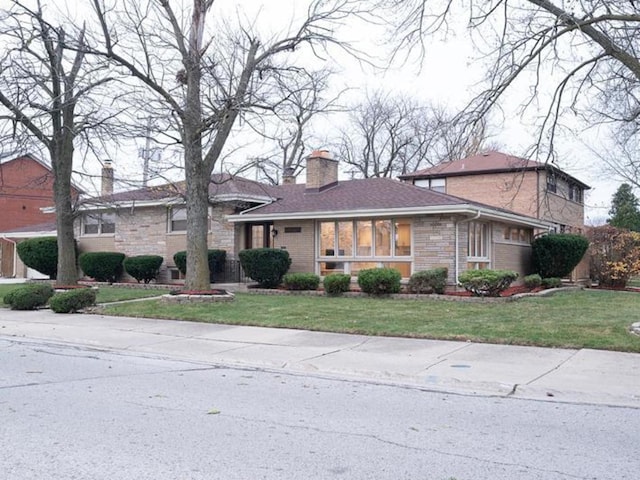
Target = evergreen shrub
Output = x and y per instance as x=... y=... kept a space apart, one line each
x=429 y=281
x=379 y=281
x=102 y=266
x=143 y=267
x=301 y=281
x=73 y=300
x=266 y=266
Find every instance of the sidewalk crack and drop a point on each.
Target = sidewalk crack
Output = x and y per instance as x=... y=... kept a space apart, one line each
x=563 y=362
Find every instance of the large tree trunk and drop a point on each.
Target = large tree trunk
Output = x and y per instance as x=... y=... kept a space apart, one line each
x=62 y=162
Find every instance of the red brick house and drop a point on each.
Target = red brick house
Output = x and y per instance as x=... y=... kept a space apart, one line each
x=26 y=186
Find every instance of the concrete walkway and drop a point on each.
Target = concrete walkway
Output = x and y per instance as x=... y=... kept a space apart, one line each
x=584 y=376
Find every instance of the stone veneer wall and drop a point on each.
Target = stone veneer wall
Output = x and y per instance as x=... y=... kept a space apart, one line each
x=301 y=246
x=434 y=243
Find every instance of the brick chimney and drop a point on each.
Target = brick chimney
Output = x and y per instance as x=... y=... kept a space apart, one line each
x=107 y=178
x=322 y=171
x=288 y=178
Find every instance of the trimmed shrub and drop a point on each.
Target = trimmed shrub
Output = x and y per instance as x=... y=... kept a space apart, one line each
x=532 y=281
x=216 y=259
x=337 y=283
x=552 y=282
x=487 y=283
x=557 y=254
x=379 y=281
x=301 y=281
x=73 y=300
x=29 y=297
x=429 y=281
x=266 y=266
x=143 y=267
x=41 y=254
x=614 y=255
x=102 y=266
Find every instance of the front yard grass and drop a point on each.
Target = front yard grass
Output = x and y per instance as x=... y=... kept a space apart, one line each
x=581 y=319
x=106 y=294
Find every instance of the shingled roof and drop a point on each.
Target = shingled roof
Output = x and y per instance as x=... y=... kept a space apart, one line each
x=485 y=162
x=370 y=196
x=221 y=187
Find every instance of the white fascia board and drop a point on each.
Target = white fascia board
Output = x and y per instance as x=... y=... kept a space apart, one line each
x=235 y=197
x=462 y=209
x=50 y=233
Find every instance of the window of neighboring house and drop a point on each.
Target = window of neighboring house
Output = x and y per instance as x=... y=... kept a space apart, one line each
x=551 y=183
x=178 y=219
x=259 y=235
x=518 y=234
x=478 y=245
x=364 y=244
x=576 y=194
x=435 y=184
x=99 y=223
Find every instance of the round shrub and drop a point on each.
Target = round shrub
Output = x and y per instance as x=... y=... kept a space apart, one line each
x=557 y=254
x=301 y=281
x=143 y=267
x=337 y=283
x=216 y=260
x=429 y=281
x=41 y=254
x=266 y=266
x=102 y=266
x=487 y=283
x=532 y=281
x=552 y=282
x=73 y=300
x=379 y=281
x=29 y=297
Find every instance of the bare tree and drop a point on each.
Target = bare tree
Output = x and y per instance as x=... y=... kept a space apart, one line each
x=389 y=135
x=584 y=53
x=50 y=101
x=204 y=78
x=305 y=100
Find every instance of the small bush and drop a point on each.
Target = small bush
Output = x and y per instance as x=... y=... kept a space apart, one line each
x=557 y=254
x=487 y=283
x=337 y=283
x=532 y=281
x=266 y=266
x=551 y=282
x=41 y=254
x=301 y=281
x=216 y=259
x=102 y=266
x=614 y=255
x=28 y=297
x=143 y=267
x=379 y=281
x=73 y=300
x=429 y=281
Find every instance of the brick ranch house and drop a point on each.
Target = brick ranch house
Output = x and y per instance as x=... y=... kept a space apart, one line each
x=326 y=225
x=26 y=187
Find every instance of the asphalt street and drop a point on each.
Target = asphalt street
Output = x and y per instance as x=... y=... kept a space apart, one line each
x=76 y=412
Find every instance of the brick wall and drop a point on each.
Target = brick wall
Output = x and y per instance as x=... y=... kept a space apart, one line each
x=25 y=187
x=434 y=243
x=301 y=246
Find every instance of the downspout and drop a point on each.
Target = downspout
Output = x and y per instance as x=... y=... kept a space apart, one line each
x=15 y=255
x=457 y=259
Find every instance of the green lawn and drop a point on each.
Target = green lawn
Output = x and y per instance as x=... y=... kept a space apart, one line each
x=590 y=319
x=106 y=294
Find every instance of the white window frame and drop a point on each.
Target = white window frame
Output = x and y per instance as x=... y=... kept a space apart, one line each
x=100 y=223
x=170 y=218
x=485 y=241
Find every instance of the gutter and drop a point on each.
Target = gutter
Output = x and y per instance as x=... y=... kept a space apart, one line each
x=457 y=259
x=15 y=255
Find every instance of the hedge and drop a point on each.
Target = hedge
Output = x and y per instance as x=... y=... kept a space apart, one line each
x=557 y=254
x=143 y=267
x=301 y=281
x=337 y=283
x=102 y=266
x=429 y=281
x=487 y=283
x=29 y=297
x=266 y=266
x=73 y=300
x=379 y=281
x=41 y=254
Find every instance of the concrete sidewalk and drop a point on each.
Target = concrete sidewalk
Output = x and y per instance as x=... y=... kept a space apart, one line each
x=584 y=376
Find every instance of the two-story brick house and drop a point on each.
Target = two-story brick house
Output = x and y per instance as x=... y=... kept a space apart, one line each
x=26 y=187
x=531 y=188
